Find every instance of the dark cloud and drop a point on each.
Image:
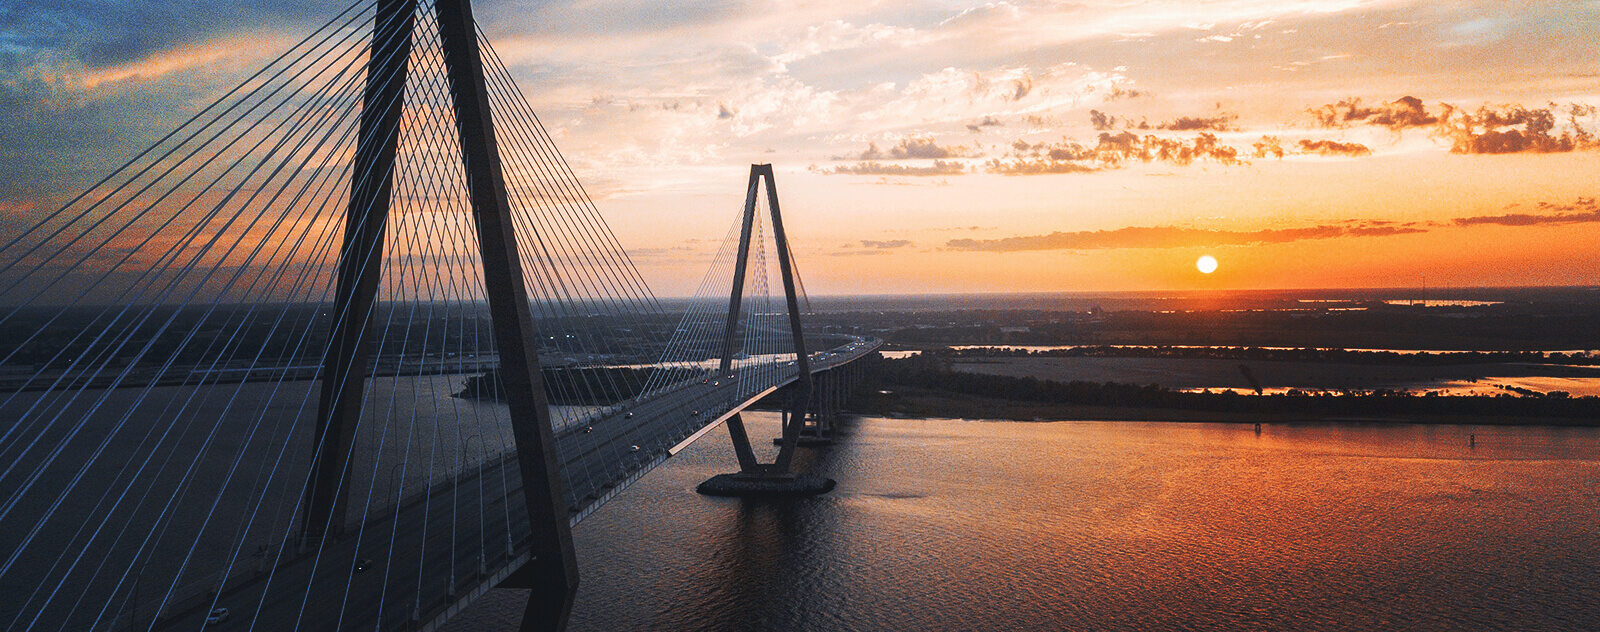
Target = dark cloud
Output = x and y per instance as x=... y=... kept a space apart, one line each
x=872 y=168
x=1110 y=151
x=911 y=149
x=988 y=121
x=1121 y=93
x=1584 y=210
x=1168 y=237
x=1021 y=87
x=1332 y=148
x=1506 y=129
x=1268 y=146
x=1399 y=114
x=58 y=136
x=1101 y=121
x=1220 y=123
x=100 y=34
x=1127 y=146
x=47 y=130
x=1514 y=130
x=871 y=247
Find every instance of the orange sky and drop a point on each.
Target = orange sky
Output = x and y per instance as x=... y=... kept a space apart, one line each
x=1034 y=146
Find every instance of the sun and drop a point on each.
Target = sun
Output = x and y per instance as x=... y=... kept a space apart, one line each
x=1206 y=264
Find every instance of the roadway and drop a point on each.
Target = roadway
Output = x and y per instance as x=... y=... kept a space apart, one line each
x=426 y=547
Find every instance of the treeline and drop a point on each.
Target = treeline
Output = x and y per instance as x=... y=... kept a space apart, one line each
x=595 y=386
x=1336 y=356
x=931 y=372
x=1543 y=325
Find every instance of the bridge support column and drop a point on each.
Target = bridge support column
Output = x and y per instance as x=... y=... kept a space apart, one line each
x=344 y=366
x=753 y=478
x=817 y=427
x=552 y=573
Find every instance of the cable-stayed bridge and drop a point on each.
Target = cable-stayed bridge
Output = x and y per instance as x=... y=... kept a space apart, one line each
x=353 y=345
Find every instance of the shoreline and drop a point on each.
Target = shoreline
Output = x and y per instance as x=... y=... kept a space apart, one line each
x=911 y=403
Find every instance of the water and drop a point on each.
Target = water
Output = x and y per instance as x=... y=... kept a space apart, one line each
x=965 y=525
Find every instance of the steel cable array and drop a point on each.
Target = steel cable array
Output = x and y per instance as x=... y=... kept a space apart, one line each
x=164 y=337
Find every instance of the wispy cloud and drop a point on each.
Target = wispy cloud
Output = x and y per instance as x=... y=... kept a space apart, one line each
x=911 y=149
x=987 y=121
x=938 y=168
x=1332 y=148
x=1584 y=210
x=871 y=247
x=1220 y=123
x=239 y=49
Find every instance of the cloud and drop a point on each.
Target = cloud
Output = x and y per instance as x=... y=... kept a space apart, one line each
x=870 y=247
x=1110 y=151
x=910 y=149
x=1505 y=129
x=1219 y=123
x=104 y=35
x=1584 y=210
x=1332 y=148
x=1125 y=93
x=988 y=121
x=1268 y=146
x=1407 y=111
x=1514 y=130
x=1021 y=87
x=1169 y=237
x=1127 y=146
x=838 y=35
x=1100 y=121
x=1025 y=167
x=872 y=168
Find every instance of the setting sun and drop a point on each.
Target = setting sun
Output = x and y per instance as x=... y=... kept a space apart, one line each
x=1206 y=264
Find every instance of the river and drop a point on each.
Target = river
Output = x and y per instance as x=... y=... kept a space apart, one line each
x=987 y=525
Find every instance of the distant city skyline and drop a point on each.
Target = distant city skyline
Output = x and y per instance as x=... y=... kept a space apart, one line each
x=963 y=147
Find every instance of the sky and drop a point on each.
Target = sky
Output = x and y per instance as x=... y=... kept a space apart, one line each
x=963 y=147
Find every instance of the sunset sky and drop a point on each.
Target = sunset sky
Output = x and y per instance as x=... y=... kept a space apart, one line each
x=958 y=147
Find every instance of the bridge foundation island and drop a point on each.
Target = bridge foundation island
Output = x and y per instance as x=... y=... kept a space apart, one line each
x=753 y=478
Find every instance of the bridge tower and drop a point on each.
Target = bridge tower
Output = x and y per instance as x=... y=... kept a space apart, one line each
x=755 y=478
x=552 y=572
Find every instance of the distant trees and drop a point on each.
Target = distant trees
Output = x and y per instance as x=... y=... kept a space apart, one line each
x=1307 y=354
x=931 y=371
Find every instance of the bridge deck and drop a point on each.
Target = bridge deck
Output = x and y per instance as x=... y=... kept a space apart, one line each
x=426 y=555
